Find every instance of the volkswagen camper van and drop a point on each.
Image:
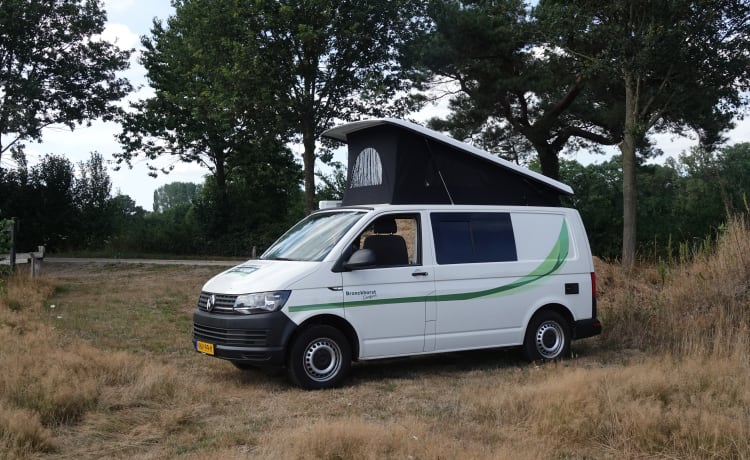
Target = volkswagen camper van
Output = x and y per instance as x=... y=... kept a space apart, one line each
x=416 y=261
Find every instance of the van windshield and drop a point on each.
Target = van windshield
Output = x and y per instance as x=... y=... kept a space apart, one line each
x=313 y=237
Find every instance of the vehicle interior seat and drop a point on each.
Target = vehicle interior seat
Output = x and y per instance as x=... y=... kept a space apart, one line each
x=389 y=248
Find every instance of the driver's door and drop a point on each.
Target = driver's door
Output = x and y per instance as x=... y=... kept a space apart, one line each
x=386 y=304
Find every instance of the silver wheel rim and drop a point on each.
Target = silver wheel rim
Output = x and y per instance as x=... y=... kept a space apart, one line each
x=322 y=359
x=550 y=339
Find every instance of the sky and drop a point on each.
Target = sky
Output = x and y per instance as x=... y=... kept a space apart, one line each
x=128 y=20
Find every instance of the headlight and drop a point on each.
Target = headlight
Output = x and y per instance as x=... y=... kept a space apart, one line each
x=261 y=302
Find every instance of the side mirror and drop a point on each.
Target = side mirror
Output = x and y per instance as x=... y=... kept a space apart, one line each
x=361 y=258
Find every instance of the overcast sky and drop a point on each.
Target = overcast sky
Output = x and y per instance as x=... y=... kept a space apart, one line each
x=130 y=19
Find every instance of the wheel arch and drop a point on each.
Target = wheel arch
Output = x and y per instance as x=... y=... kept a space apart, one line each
x=334 y=321
x=560 y=309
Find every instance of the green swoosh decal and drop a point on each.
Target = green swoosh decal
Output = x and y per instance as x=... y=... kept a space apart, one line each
x=554 y=260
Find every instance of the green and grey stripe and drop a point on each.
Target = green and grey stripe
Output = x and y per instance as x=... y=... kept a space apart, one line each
x=554 y=260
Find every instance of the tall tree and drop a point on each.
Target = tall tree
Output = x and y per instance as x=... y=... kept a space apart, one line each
x=515 y=95
x=92 y=198
x=338 y=59
x=214 y=98
x=52 y=216
x=681 y=64
x=54 y=69
x=175 y=194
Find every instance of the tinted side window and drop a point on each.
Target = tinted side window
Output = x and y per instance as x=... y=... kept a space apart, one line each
x=453 y=241
x=473 y=237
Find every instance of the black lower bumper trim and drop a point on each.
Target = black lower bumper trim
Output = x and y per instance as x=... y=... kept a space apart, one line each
x=586 y=328
x=253 y=339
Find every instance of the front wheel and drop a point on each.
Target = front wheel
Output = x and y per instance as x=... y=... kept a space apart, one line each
x=320 y=358
x=547 y=337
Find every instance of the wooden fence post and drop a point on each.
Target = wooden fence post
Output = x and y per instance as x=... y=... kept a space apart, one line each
x=33 y=262
x=36 y=261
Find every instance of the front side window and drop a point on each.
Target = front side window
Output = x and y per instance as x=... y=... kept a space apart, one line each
x=313 y=237
x=462 y=238
x=394 y=238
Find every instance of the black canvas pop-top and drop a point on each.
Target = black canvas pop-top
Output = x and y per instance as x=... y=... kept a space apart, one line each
x=394 y=161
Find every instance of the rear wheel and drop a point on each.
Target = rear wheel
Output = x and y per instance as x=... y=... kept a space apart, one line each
x=547 y=337
x=320 y=358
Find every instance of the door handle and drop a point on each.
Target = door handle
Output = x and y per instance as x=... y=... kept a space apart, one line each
x=419 y=274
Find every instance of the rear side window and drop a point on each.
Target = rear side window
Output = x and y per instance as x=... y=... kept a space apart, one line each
x=462 y=238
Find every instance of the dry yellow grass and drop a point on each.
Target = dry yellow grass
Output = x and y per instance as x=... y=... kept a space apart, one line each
x=697 y=308
x=109 y=373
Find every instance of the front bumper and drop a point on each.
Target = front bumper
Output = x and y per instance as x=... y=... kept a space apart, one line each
x=253 y=339
x=586 y=328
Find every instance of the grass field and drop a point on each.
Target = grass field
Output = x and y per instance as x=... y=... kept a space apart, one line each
x=97 y=362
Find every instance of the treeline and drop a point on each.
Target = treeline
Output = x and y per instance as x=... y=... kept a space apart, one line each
x=680 y=203
x=70 y=208
x=60 y=205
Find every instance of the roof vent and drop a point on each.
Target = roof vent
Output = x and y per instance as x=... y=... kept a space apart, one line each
x=329 y=204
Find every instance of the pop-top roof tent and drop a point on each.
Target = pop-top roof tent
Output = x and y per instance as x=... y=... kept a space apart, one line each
x=398 y=162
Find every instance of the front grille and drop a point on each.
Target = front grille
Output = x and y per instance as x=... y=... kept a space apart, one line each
x=222 y=304
x=231 y=337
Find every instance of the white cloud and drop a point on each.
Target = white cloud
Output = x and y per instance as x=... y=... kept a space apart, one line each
x=741 y=132
x=120 y=35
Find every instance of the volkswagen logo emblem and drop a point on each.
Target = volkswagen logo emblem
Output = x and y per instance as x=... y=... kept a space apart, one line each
x=210 y=302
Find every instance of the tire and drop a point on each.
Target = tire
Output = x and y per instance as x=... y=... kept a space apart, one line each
x=547 y=337
x=320 y=358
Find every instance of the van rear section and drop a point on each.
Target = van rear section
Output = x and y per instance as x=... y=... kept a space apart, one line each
x=502 y=273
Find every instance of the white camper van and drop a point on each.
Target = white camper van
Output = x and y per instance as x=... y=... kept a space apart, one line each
x=385 y=276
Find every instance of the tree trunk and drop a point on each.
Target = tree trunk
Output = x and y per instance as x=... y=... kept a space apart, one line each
x=221 y=213
x=627 y=148
x=549 y=161
x=308 y=160
x=547 y=153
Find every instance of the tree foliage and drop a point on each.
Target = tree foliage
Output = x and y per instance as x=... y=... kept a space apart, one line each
x=5 y=225
x=680 y=202
x=232 y=79
x=54 y=69
x=264 y=198
x=338 y=60
x=56 y=206
x=213 y=101
x=682 y=65
x=515 y=93
x=583 y=72
x=175 y=194
x=331 y=186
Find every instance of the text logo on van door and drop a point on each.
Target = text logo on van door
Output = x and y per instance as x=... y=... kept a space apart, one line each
x=366 y=295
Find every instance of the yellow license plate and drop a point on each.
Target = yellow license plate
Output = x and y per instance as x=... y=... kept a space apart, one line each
x=207 y=348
